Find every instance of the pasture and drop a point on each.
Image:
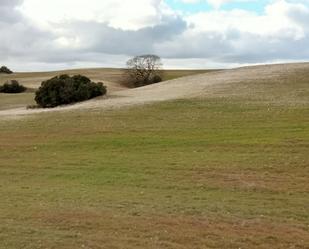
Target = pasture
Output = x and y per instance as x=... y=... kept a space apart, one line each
x=225 y=170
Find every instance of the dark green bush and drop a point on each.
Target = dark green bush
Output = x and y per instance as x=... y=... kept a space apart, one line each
x=4 y=69
x=12 y=87
x=64 y=89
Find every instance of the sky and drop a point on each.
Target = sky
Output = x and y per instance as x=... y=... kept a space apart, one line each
x=38 y=35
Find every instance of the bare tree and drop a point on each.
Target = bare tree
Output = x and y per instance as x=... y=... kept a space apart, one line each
x=144 y=69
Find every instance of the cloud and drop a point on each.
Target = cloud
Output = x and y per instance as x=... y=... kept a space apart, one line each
x=74 y=40
x=216 y=3
x=124 y=14
x=244 y=37
x=8 y=12
x=19 y=37
x=118 y=41
x=50 y=35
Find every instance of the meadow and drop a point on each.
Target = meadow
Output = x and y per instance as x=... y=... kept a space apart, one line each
x=225 y=171
x=114 y=79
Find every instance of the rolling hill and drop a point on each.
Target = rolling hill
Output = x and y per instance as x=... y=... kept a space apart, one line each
x=276 y=83
x=112 y=78
x=216 y=160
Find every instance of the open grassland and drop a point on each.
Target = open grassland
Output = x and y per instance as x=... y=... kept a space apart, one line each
x=174 y=74
x=114 y=75
x=113 y=78
x=229 y=170
x=9 y=101
x=34 y=79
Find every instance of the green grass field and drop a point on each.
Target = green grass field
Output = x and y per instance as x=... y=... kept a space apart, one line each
x=227 y=171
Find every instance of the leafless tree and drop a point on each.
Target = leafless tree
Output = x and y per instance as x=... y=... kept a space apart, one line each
x=144 y=69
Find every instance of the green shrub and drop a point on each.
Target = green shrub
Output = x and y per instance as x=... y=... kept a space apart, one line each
x=64 y=89
x=4 y=69
x=12 y=87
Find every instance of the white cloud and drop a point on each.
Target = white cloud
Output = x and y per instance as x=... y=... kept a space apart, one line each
x=218 y=3
x=67 y=33
x=190 y=1
x=125 y=14
x=244 y=37
x=275 y=22
x=215 y=3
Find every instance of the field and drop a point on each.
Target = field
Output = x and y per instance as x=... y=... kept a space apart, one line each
x=112 y=78
x=224 y=169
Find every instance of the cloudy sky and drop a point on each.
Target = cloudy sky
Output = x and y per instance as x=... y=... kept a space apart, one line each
x=54 y=34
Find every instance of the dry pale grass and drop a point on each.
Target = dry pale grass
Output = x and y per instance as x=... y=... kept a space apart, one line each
x=257 y=82
x=112 y=78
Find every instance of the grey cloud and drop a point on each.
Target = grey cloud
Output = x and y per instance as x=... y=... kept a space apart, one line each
x=98 y=39
x=8 y=12
x=300 y=16
x=236 y=47
x=261 y=49
x=202 y=45
x=118 y=41
x=10 y=2
x=19 y=38
x=172 y=39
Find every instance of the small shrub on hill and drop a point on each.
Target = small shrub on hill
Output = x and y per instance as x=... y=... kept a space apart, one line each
x=4 y=69
x=12 y=87
x=64 y=89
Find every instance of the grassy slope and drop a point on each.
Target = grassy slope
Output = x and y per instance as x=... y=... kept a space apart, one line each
x=8 y=101
x=33 y=80
x=174 y=74
x=228 y=171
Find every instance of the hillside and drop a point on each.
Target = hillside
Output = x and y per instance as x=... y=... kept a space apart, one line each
x=285 y=83
x=112 y=78
x=217 y=160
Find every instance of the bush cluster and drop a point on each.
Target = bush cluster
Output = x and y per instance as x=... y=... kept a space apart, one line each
x=139 y=82
x=12 y=87
x=4 y=69
x=156 y=79
x=148 y=81
x=64 y=89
